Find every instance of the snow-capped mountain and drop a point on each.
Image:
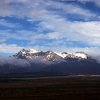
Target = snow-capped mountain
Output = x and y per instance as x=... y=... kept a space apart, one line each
x=75 y=56
x=39 y=56
x=26 y=53
x=79 y=55
x=48 y=55
x=31 y=60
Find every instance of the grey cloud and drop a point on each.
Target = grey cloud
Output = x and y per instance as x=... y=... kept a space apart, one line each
x=13 y=61
x=35 y=8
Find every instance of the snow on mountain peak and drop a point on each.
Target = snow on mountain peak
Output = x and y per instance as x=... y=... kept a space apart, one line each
x=81 y=55
x=64 y=54
x=26 y=53
x=38 y=56
x=48 y=56
x=29 y=51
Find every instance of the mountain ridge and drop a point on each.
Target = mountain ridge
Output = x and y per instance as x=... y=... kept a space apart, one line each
x=30 y=60
x=31 y=52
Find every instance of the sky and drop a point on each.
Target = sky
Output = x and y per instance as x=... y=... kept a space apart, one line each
x=58 y=25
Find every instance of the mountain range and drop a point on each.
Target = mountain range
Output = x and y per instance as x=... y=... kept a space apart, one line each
x=35 y=61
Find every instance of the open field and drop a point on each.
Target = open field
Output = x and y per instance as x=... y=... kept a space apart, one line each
x=51 y=88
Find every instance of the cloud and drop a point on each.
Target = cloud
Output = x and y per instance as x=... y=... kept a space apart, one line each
x=19 y=8
x=35 y=8
x=69 y=8
x=9 y=48
x=87 y=32
x=63 y=32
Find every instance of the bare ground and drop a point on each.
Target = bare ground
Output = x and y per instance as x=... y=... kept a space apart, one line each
x=51 y=88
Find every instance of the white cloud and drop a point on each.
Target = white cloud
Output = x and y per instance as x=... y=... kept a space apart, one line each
x=73 y=9
x=9 y=48
x=35 y=8
x=20 y=7
x=86 y=32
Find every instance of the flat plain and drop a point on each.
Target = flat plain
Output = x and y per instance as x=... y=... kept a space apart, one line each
x=78 y=87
